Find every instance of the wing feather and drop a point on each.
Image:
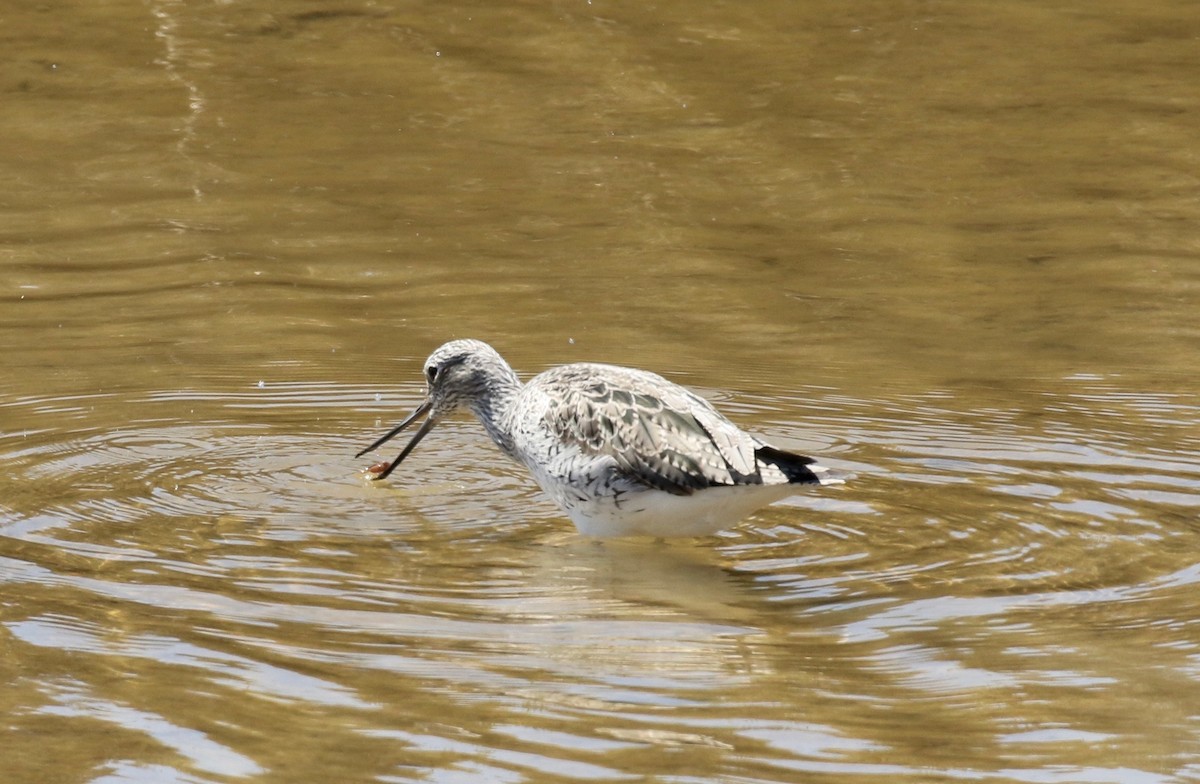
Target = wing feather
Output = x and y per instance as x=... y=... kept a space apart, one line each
x=657 y=432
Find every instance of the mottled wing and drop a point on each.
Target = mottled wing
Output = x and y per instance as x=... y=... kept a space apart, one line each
x=657 y=432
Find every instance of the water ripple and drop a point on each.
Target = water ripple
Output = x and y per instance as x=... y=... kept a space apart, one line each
x=979 y=565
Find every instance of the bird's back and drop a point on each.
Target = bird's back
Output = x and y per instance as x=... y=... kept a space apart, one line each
x=654 y=431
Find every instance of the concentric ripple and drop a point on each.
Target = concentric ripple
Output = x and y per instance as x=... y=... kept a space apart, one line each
x=984 y=571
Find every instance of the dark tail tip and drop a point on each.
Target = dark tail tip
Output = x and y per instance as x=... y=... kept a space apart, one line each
x=799 y=469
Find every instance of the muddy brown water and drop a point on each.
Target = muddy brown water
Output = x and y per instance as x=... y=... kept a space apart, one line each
x=950 y=247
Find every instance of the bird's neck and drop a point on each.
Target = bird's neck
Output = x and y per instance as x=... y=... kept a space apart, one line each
x=493 y=404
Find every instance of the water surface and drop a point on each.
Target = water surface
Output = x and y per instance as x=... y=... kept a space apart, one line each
x=948 y=248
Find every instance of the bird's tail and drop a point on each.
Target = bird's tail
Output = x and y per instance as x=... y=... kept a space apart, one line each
x=798 y=469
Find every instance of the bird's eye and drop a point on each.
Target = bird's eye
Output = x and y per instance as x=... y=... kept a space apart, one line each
x=431 y=373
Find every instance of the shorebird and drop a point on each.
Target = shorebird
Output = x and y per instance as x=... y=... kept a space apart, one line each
x=622 y=452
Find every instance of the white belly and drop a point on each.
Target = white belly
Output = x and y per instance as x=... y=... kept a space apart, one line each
x=660 y=514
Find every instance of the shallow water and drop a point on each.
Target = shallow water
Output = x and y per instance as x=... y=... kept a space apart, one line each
x=949 y=249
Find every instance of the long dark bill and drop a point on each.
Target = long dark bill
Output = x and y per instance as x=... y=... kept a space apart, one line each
x=425 y=427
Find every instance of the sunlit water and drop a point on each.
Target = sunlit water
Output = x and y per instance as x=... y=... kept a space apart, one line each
x=948 y=248
x=990 y=597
